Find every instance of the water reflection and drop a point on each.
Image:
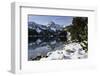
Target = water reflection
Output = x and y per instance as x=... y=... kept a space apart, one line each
x=39 y=46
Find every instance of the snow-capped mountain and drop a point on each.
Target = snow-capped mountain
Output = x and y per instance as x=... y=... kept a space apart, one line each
x=51 y=26
x=54 y=26
x=37 y=27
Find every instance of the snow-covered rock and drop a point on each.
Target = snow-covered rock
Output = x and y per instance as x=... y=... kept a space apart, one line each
x=52 y=28
x=56 y=55
x=73 y=46
x=70 y=51
x=68 y=36
x=38 y=30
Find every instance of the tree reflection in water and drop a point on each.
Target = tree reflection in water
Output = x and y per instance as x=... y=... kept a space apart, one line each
x=39 y=46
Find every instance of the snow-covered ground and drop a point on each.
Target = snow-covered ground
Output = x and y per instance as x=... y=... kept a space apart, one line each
x=70 y=51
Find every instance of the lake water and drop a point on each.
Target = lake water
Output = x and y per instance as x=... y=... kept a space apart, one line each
x=39 y=46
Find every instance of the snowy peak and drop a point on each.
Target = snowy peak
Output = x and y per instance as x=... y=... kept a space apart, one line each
x=51 y=23
x=53 y=26
x=33 y=25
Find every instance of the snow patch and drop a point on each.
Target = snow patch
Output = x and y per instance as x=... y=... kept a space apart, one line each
x=70 y=51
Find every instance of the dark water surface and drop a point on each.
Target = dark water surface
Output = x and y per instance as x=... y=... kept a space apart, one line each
x=40 y=46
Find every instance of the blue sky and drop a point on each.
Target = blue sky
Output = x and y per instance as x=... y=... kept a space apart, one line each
x=41 y=19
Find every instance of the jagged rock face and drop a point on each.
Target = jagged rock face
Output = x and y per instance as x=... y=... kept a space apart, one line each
x=50 y=26
x=54 y=26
